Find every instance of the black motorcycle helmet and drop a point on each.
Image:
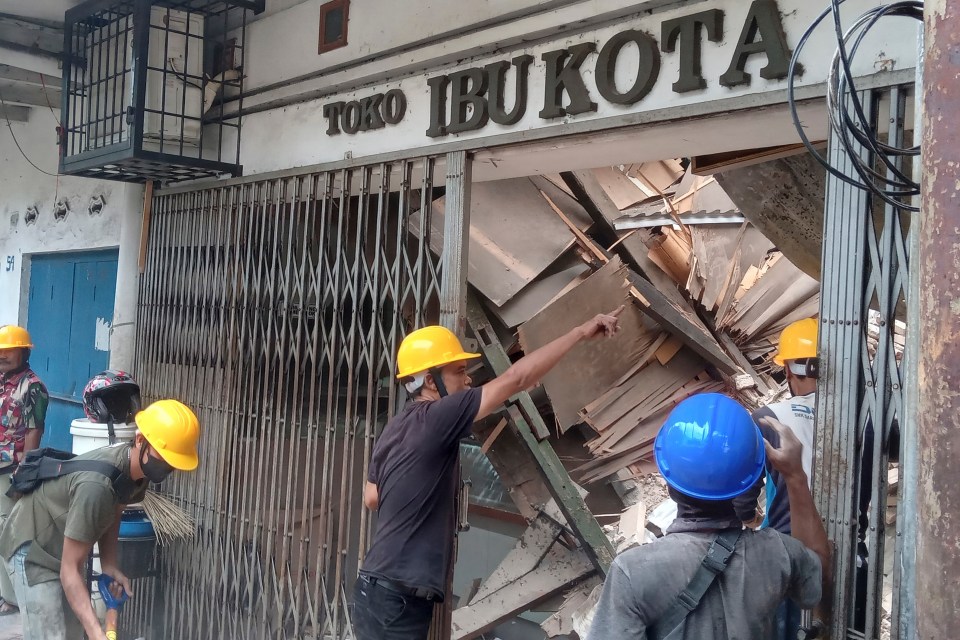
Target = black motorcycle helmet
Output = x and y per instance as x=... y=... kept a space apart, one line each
x=111 y=396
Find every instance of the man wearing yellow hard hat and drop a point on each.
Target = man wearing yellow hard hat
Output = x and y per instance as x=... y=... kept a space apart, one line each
x=797 y=354
x=412 y=479
x=52 y=529
x=23 y=411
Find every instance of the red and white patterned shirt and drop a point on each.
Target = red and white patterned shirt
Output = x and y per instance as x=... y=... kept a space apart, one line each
x=23 y=406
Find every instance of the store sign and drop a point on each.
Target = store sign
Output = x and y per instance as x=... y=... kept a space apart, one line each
x=468 y=99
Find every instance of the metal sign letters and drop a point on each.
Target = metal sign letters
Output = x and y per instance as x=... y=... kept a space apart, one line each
x=466 y=100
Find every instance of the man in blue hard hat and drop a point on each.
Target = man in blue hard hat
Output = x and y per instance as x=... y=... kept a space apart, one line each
x=709 y=577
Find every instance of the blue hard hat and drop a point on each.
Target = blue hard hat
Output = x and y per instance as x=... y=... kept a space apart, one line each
x=710 y=448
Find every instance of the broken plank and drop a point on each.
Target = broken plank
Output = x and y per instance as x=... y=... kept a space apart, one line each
x=558 y=570
x=493 y=436
x=632 y=526
x=668 y=349
x=589 y=369
x=514 y=236
x=649 y=292
x=727 y=342
x=661 y=310
x=526 y=554
x=601 y=209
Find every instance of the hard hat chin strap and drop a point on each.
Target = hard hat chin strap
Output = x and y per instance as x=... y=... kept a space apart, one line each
x=438 y=381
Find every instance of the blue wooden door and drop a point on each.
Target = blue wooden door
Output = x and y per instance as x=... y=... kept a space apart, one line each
x=69 y=318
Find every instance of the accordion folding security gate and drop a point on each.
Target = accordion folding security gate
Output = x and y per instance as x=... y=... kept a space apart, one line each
x=866 y=409
x=273 y=306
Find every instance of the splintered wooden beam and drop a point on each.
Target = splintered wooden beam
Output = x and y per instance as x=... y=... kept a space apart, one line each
x=526 y=555
x=655 y=305
x=594 y=199
x=557 y=570
x=525 y=419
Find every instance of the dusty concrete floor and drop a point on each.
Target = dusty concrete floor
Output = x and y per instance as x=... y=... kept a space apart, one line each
x=10 y=628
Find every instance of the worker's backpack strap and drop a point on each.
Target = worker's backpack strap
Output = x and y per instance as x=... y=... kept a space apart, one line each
x=48 y=463
x=712 y=565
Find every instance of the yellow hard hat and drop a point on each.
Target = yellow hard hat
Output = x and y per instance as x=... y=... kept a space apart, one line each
x=798 y=341
x=14 y=337
x=173 y=430
x=427 y=348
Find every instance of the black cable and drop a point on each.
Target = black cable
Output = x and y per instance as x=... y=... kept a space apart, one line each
x=17 y=142
x=850 y=124
x=860 y=128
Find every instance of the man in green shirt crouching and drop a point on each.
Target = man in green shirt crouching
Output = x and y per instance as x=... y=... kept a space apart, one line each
x=51 y=531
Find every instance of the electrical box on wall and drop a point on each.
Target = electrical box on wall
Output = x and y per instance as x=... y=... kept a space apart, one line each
x=150 y=88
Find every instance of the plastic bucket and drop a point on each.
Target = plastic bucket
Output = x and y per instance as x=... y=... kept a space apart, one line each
x=137 y=544
x=88 y=436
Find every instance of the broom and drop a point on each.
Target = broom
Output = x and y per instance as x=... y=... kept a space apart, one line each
x=170 y=522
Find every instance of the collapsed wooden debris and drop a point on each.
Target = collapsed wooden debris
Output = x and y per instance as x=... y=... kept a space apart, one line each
x=707 y=301
x=707 y=298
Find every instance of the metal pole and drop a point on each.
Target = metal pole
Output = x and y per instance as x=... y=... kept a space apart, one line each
x=905 y=571
x=456 y=234
x=938 y=375
x=453 y=315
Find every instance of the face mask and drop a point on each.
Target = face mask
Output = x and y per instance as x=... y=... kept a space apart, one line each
x=155 y=469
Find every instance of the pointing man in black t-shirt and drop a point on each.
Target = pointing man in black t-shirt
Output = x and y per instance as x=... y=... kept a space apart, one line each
x=412 y=480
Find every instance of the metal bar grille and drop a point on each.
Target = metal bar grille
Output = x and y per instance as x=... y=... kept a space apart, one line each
x=860 y=394
x=141 y=80
x=274 y=309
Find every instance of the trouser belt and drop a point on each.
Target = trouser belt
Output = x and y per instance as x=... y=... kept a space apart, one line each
x=425 y=594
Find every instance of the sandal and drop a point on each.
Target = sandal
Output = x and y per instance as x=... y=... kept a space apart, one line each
x=7 y=609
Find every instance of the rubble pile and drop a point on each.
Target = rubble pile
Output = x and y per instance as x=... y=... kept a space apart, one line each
x=707 y=296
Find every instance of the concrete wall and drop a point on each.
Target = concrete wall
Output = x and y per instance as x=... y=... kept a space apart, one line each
x=22 y=186
x=282 y=46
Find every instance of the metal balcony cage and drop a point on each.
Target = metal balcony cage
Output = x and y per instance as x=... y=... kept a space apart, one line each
x=146 y=88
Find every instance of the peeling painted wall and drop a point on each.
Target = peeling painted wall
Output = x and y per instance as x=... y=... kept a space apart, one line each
x=28 y=200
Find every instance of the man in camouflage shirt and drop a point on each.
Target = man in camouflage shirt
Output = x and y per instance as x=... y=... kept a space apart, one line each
x=23 y=409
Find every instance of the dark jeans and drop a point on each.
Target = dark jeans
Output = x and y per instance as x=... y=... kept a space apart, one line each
x=787 y=621
x=382 y=614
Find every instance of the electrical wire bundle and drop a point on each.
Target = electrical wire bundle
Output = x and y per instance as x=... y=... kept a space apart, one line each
x=849 y=123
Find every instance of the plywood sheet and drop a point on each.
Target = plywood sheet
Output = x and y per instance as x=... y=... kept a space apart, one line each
x=621 y=189
x=716 y=247
x=591 y=367
x=514 y=234
x=538 y=294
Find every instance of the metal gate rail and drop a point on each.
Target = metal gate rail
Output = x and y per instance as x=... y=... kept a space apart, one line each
x=860 y=397
x=273 y=308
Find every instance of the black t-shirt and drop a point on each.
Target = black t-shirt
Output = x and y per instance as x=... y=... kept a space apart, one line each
x=413 y=466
